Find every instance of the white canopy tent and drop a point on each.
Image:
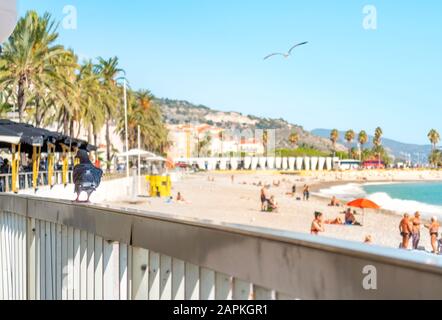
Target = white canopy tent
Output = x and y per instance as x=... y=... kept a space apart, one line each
x=141 y=155
x=138 y=153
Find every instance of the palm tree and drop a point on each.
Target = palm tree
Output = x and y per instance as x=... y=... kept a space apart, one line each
x=144 y=99
x=435 y=158
x=349 y=137
x=434 y=138
x=91 y=93
x=265 y=140
x=334 y=137
x=363 y=140
x=154 y=134
x=5 y=107
x=221 y=139
x=294 y=139
x=29 y=57
x=109 y=75
x=377 y=141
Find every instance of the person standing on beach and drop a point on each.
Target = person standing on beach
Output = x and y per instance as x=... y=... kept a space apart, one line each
x=306 y=193
x=264 y=199
x=434 y=233
x=405 y=230
x=317 y=224
x=416 y=230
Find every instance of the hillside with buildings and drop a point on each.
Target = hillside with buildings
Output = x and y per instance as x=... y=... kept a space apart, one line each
x=183 y=116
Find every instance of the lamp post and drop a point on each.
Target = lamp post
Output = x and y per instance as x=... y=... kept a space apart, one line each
x=126 y=130
x=139 y=160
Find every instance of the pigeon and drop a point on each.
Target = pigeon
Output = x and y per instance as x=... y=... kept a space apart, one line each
x=288 y=54
x=87 y=177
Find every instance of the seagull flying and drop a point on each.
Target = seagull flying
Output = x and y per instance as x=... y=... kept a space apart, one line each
x=288 y=54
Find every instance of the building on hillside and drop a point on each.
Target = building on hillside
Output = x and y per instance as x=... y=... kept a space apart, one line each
x=193 y=141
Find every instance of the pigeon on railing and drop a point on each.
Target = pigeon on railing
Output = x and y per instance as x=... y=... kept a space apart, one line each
x=87 y=177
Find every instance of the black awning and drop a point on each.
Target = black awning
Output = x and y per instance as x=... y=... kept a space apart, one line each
x=29 y=136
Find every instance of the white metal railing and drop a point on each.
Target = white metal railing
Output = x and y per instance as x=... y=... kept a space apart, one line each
x=51 y=249
x=25 y=180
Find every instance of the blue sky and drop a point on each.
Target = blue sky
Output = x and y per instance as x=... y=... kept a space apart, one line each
x=211 y=52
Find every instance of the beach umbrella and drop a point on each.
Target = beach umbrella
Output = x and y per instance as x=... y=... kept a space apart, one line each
x=363 y=204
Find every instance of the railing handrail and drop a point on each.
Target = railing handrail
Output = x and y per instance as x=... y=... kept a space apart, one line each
x=198 y=241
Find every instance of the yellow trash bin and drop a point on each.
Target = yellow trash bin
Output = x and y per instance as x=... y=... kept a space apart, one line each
x=159 y=186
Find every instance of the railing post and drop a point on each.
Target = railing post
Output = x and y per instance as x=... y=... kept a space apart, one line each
x=111 y=283
x=65 y=165
x=223 y=287
x=50 y=164
x=154 y=276
x=31 y=259
x=123 y=271
x=36 y=156
x=207 y=284
x=242 y=290
x=15 y=165
x=140 y=274
x=26 y=182
x=166 y=277
x=192 y=280
x=7 y=182
x=178 y=282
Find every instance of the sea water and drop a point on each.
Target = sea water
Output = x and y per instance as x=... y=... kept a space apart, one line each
x=425 y=197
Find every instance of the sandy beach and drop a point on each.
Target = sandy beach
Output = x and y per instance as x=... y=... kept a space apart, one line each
x=215 y=197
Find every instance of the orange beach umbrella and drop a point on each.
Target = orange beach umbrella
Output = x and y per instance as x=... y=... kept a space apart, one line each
x=363 y=204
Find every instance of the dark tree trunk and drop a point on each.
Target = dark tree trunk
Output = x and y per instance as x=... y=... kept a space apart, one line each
x=21 y=98
x=96 y=144
x=38 y=113
x=71 y=128
x=65 y=122
x=79 y=130
x=89 y=134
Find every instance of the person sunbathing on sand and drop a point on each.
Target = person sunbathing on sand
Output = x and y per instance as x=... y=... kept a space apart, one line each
x=180 y=198
x=337 y=221
x=433 y=227
x=317 y=224
x=405 y=230
x=368 y=240
x=273 y=205
x=334 y=202
x=350 y=218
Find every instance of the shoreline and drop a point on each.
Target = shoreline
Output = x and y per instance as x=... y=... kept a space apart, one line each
x=317 y=188
x=215 y=197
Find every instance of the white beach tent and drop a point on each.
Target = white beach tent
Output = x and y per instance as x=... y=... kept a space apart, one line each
x=234 y=163
x=263 y=163
x=292 y=162
x=285 y=163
